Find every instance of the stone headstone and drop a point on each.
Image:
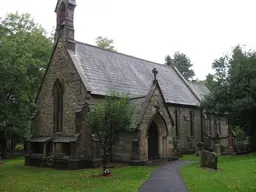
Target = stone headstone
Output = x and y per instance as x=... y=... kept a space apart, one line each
x=208 y=160
x=217 y=149
x=1 y=159
x=199 y=148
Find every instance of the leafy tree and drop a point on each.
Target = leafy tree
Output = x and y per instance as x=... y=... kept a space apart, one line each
x=108 y=119
x=182 y=63
x=24 y=52
x=168 y=60
x=233 y=87
x=105 y=43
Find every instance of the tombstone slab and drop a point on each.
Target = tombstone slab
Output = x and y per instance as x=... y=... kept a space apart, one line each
x=208 y=160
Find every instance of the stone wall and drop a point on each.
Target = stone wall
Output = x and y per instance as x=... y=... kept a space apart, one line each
x=164 y=129
x=61 y=67
x=186 y=116
x=122 y=151
x=215 y=127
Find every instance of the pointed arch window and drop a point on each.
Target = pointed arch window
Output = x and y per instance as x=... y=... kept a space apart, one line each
x=177 y=122
x=58 y=106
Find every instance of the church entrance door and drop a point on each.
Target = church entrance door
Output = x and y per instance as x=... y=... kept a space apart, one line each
x=153 y=142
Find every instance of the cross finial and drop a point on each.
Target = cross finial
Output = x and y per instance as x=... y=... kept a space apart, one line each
x=155 y=72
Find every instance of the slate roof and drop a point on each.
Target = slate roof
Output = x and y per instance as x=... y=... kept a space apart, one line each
x=66 y=139
x=200 y=90
x=104 y=71
x=137 y=105
x=40 y=139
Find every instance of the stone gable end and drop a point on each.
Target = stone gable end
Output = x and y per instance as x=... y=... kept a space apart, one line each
x=156 y=105
x=61 y=67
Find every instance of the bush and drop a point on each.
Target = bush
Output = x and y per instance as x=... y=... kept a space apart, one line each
x=240 y=147
x=19 y=147
x=240 y=134
x=222 y=148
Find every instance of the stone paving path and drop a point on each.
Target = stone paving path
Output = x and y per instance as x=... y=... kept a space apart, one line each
x=166 y=179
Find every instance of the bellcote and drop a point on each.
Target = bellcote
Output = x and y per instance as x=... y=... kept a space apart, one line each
x=65 y=10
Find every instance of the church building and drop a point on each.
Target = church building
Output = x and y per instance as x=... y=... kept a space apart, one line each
x=166 y=106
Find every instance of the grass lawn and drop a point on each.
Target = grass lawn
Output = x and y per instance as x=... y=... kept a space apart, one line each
x=238 y=173
x=15 y=177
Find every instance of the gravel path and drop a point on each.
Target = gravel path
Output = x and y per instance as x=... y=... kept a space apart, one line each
x=166 y=179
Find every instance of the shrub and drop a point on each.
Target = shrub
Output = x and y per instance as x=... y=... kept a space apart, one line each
x=222 y=148
x=200 y=145
x=240 y=147
x=19 y=147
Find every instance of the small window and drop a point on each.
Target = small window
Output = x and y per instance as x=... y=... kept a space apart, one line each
x=78 y=122
x=177 y=122
x=220 y=126
x=210 y=125
x=191 y=113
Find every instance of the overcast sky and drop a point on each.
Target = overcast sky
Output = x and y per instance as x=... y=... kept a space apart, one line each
x=151 y=29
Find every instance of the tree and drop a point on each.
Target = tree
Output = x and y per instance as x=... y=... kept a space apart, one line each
x=182 y=63
x=168 y=60
x=108 y=119
x=233 y=89
x=24 y=52
x=105 y=43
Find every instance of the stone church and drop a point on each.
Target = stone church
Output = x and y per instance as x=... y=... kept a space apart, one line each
x=166 y=106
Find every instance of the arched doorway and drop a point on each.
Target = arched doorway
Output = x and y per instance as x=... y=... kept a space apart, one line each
x=157 y=133
x=153 y=152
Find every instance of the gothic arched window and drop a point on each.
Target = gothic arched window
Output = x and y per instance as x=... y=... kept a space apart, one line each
x=61 y=14
x=57 y=106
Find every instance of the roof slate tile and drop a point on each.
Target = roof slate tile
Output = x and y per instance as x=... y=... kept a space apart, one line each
x=104 y=71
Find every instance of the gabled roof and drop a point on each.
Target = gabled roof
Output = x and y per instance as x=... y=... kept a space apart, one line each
x=200 y=90
x=103 y=72
x=140 y=105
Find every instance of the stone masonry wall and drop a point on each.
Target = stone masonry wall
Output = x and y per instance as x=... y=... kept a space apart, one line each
x=62 y=68
x=165 y=138
x=185 y=138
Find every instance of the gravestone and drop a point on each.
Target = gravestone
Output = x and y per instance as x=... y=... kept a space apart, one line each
x=199 y=148
x=217 y=149
x=208 y=160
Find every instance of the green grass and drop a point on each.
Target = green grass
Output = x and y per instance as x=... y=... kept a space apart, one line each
x=15 y=177
x=237 y=173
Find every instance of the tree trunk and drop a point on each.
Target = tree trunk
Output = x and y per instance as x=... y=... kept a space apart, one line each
x=104 y=162
x=110 y=154
x=4 y=147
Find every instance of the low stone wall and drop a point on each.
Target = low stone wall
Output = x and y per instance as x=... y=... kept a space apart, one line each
x=208 y=160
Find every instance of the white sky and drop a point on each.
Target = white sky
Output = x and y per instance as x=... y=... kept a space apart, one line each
x=151 y=29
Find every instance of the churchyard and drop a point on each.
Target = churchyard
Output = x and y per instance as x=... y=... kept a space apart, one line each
x=15 y=177
x=235 y=173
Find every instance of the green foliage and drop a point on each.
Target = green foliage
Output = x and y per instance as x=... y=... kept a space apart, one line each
x=105 y=43
x=222 y=148
x=233 y=87
x=168 y=60
x=24 y=51
x=240 y=134
x=182 y=63
x=15 y=177
x=176 y=150
x=19 y=147
x=109 y=118
x=237 y=173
